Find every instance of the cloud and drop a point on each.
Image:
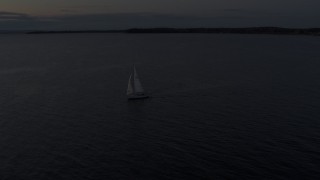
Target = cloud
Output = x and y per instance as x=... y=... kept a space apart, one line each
x=88 y=6
x=8 y=16
x=67 y=11
x=127 y=20
x=21 y=21
x=103 y=21
x=233 y=10
x=83 y=9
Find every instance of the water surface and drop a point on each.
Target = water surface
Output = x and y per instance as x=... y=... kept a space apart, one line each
x=222 y=107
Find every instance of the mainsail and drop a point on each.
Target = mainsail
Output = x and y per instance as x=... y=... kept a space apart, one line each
x=130 y=89
x=135 y=89
x=137 y=84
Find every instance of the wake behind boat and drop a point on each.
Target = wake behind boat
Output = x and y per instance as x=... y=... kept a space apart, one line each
x=135 y=89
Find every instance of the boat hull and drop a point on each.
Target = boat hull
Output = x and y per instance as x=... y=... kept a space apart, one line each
x=136 y=97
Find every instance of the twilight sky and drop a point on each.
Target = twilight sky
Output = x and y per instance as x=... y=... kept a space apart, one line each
x=121 y=14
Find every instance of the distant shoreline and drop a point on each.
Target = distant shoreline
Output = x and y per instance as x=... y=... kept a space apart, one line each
x=249 y=30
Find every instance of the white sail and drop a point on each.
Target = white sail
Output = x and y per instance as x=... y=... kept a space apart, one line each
x=135 y=89
x=137 y=84
x=130 y=89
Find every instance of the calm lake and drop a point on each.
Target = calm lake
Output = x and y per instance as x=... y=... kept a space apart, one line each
x=222 y=107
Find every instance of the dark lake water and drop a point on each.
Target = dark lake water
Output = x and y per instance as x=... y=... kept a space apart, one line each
x=222 y=107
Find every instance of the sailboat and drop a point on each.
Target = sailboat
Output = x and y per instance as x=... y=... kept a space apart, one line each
x=135 y=89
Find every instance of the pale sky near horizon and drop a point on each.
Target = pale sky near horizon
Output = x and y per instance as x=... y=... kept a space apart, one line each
x=113 y=14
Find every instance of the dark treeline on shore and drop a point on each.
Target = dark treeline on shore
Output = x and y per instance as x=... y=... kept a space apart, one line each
x=250 y=30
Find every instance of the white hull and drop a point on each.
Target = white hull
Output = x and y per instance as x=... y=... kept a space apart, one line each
x=133 y=97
